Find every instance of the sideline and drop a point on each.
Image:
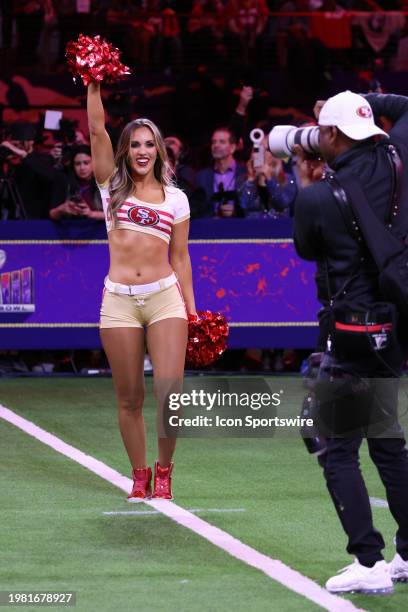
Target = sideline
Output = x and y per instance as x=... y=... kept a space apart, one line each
x=275 y=569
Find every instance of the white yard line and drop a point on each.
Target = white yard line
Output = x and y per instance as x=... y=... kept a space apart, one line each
x=193 y=510
x=377 y=502
x=293 y=580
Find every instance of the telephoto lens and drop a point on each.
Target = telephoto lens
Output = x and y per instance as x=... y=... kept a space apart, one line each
x=283 y=138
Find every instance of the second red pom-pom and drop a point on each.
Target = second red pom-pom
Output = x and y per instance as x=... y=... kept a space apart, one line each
x=207 y=338
x=95 y=59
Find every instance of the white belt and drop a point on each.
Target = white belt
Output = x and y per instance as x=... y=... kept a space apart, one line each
x=163 y=283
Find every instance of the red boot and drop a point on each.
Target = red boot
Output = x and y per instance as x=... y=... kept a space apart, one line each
x=142 y=485
x=162 y=481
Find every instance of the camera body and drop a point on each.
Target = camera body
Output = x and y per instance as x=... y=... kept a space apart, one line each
x=220 y=198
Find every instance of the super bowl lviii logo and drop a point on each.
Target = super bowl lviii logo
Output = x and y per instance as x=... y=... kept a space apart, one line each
x=16 y=289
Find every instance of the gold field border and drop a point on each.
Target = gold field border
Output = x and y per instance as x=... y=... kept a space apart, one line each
x=91 y=325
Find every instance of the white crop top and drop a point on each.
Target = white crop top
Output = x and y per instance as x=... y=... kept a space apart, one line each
x=155 y=219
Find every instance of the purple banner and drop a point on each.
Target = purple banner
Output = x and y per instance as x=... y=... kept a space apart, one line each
x=250 y=282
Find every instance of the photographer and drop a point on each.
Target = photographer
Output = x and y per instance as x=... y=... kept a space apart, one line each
x=28 y=176
x=348 y=285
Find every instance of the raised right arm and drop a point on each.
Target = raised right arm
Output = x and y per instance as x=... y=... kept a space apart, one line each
x=101 y=146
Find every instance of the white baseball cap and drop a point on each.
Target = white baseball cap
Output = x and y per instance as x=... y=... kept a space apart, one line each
x=352 y=114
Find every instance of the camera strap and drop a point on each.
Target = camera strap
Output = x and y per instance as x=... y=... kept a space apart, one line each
x=385 y=247
x=396 y=191
x=360 y=219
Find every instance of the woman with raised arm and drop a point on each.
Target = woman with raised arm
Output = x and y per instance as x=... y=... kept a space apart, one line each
x=149 y=284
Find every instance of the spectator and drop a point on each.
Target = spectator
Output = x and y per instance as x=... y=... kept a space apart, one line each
x=29 y=16
x=6 y=11
x=29 y=172
x=247 y=21
x=50 y=143
x=268 y=189
x=239 y=117
x=379 y=33
x=81 y=197
x=119 y=109
x=296 y=28
x=73 y=17
x=166 y=42
x=400 y=63
x=206 y=30
x=225 y=175
x=297 y=51
x=140 y=34
x=48 y=49
x=185 y=174
x=332 y=27
x=117 y=19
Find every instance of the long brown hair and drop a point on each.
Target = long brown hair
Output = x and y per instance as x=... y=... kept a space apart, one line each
x=122 y=185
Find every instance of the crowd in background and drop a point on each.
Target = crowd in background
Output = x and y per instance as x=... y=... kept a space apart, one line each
x=163 y=34
x=48 y=174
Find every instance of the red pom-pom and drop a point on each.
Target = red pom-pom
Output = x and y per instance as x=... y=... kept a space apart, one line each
x=207 y=338
x=95 y=59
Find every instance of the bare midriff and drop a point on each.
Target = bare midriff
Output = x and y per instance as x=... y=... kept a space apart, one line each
x=137 y=258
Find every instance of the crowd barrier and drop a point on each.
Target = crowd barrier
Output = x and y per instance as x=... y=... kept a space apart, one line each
x=52 y=279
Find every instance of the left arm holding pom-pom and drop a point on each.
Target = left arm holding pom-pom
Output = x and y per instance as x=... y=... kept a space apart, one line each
x=181 y=264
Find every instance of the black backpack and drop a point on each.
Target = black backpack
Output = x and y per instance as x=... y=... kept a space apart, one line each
x=389 y=252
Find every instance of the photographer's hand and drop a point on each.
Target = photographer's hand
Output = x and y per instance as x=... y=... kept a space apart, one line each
x=318 y=107
x=16 y=150
x=310 y=169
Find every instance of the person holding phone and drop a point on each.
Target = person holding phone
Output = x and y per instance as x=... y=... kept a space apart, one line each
x=81 y=197
x=148 y=291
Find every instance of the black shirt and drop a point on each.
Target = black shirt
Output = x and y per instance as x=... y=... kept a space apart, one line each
x=320 y=232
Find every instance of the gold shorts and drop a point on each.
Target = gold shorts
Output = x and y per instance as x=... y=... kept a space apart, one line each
x=142 y=309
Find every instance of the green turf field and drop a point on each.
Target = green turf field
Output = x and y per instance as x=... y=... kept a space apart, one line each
x=54 y=535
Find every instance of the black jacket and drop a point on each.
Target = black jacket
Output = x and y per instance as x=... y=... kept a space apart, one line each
x=36 y=178
x=320 y=232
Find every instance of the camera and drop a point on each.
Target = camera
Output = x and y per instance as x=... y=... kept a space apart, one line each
x=222 y=197
x=5 y=153
x=257 y=136
x=315 y=443
x=283 y=138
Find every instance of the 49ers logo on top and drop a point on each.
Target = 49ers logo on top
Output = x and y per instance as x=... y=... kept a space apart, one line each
x=143 y=215
x=364 y=112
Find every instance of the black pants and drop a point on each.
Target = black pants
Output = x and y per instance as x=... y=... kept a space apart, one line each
x=346 y=486
x=350 y=497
